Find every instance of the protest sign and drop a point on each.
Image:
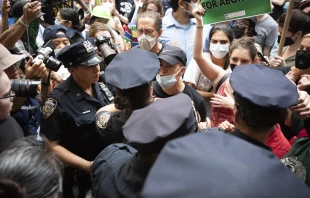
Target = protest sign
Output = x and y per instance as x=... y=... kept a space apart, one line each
x=227 y=10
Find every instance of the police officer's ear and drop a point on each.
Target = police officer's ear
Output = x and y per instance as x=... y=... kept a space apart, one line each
x=72 y=70
x=69 y=24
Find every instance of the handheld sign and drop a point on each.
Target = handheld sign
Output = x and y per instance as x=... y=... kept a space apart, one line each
x=227 y=10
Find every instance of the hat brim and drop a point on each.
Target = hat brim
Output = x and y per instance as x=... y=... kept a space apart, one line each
x=10 y=60
x=91 y=60
x=169 y=59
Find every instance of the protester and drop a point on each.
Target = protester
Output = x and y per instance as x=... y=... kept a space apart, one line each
x=132 y=79
x=27 y=43
x=69 y=17
x=220 y=38
x=124 y=10
x=120 y=169
x=29 y=168
x=10 y=130
x=267 y=33
x=30 y=11
x=131 y=31
x=69 y=116
x=149 y=29
x=244 y=27
x=179 y=27
x=169 y=79
x=298 y=28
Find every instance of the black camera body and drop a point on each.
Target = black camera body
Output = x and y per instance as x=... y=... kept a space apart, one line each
x=24 y=88
x=106 y=47
x=46 y=55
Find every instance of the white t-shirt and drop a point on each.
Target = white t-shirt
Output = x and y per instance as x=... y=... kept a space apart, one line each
x=194 y=75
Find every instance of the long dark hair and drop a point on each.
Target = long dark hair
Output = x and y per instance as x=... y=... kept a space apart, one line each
x=132 y=99
x=70 y=14
x=229 y=33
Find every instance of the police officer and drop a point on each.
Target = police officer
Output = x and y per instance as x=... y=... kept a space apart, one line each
x=214 y=164
x=69 y=115
x=120 y=170
x=131 y=73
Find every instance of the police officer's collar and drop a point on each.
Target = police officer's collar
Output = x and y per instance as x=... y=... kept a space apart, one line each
x=249 y=139
x=77 y=91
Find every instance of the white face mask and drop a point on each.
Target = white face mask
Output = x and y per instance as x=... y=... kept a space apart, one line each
x=219 y=50
x=167 y=81
x=146 y=42
x=56 y=22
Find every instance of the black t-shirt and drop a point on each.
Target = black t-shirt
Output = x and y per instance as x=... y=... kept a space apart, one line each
x=125 y=8
x=199 y=102
x=10 y=131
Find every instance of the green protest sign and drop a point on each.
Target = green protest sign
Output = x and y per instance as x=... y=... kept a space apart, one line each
x=227 y=10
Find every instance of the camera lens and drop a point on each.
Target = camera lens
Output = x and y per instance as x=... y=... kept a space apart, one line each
x=24 y=88
x=53 y=64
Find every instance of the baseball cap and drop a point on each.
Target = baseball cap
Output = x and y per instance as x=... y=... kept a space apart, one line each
x=173 y=55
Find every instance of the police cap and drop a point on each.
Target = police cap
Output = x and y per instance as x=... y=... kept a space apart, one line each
x=216 y=165
x=132 y=68
x=256 y=85
x=79 y=54
x=51 y=32
x=149 y=129
x=173 y=55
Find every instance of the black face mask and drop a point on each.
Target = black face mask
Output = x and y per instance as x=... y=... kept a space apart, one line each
x=232 y=66
x=238 y=32
x=288 y=40
x=302 y=59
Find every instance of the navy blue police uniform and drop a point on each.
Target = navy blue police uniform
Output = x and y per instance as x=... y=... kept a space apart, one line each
x=273 y=92
x=125 y=72
x=118 y=170
x=69 y=115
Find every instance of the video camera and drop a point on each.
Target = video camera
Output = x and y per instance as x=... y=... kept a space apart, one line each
x=106 y=47
x=46 y=54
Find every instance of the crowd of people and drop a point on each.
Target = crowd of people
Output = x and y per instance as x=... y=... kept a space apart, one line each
x=139 y=98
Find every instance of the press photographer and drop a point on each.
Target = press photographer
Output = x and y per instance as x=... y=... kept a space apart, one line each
x=107 y=42
x=26 y=108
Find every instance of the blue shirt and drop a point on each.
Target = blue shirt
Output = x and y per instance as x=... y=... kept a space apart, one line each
x=182 y=36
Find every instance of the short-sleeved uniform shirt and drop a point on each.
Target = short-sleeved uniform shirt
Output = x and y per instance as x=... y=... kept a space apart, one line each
x=117 y=172
x=69 y=116
x=110 y=126
x=198 y=100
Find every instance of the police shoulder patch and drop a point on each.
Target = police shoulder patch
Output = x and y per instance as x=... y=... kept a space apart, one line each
x=49 y=107
x=103 y=120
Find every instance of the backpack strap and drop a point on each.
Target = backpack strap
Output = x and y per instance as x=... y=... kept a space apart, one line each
x=221 y=81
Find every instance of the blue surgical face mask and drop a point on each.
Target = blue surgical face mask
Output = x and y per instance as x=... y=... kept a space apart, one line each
x=167 y=81
x=56 y=22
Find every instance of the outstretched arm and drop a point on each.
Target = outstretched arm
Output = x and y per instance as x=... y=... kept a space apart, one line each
x=213 y=72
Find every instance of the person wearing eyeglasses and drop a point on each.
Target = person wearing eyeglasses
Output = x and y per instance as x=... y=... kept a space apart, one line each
x=9 y=128
x=26 y=110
